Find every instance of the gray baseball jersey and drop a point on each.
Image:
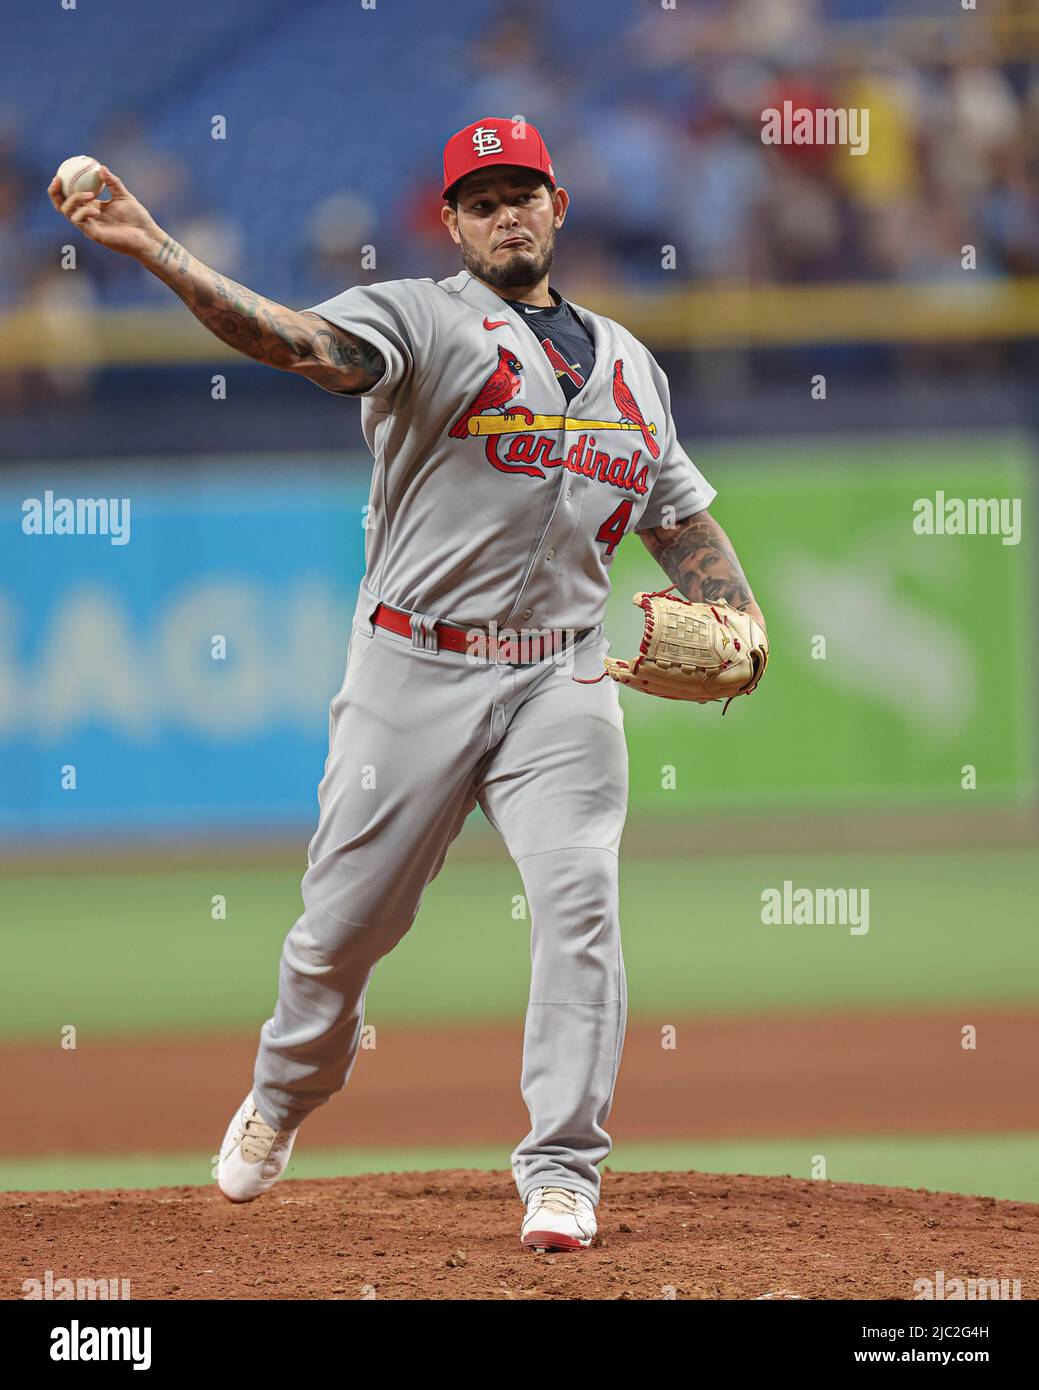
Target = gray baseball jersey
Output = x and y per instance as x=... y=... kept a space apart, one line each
x=491 y=497
x=492 y=501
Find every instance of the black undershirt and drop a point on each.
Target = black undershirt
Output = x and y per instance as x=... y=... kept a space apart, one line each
x=565 y=340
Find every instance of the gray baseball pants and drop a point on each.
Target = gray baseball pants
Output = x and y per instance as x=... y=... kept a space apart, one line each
x=416 y=740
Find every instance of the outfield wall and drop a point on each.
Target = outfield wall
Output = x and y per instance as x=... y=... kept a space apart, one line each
x=899 y=657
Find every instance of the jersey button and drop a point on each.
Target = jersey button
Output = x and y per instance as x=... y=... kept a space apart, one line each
x=550 y=554
x=569 y=494
x=527 y=612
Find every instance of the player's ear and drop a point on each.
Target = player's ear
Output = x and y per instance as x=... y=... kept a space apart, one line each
x=560 y=202
x=450 y=220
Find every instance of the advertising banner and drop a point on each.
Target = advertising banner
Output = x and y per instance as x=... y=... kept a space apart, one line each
x=169 y=643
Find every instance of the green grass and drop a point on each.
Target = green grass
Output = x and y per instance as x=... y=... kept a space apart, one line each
x=122 y=952
x=994 y=1165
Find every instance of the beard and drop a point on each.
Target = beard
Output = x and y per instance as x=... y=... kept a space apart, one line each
x=518 y=271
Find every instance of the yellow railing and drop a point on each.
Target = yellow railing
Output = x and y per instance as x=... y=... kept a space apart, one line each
x=720 y=316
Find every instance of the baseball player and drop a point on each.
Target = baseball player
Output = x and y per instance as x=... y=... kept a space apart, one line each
x=517 y=439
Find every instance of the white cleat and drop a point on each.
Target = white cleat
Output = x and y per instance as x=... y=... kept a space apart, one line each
x=253 y=1156
x=558 y=1219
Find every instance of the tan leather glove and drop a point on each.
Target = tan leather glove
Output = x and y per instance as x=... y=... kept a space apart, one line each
x=694 y=651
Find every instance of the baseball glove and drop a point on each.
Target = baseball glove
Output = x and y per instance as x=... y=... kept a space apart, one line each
x=694 y=651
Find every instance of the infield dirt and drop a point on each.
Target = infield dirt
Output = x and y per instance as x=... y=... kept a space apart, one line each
x=754 y=1077
x=455 y=1235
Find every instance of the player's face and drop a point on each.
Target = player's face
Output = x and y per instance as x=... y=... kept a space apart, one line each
x=506 y=227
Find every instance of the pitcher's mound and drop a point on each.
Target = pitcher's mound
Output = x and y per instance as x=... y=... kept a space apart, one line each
x=455 y=1234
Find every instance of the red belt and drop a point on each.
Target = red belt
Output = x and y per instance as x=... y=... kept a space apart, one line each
x=520 y=649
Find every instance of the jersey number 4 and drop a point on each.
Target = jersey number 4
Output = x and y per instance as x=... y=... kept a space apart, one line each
x=613 y=528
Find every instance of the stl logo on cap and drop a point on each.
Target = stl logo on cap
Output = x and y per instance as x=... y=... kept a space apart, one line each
x=486 y=141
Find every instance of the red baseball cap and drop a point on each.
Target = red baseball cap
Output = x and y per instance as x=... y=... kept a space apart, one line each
x=495 y=141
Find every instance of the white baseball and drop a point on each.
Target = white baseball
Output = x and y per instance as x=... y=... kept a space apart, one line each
x=80 y=174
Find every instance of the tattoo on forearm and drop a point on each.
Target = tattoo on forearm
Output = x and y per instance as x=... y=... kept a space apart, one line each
x=172 y=252
x=264 y=330
x=698 y=557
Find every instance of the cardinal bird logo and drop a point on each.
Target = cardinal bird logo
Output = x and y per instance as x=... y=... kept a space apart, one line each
x=626 y=404
x=494 y=394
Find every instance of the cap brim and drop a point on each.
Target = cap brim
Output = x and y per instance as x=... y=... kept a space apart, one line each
x=452 y=190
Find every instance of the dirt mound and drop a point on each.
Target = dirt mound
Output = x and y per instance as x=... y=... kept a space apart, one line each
x=455 y=1234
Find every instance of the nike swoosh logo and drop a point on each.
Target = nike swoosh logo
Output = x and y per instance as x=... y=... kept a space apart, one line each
x=536 y=311
x=498 y=323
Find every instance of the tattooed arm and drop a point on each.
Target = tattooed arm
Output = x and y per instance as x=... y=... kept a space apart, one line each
x=269 y=332
x=698 y=557
x=264 y=330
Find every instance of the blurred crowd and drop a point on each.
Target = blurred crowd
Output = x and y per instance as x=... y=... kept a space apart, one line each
x=671 y=153
x=656 y=134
